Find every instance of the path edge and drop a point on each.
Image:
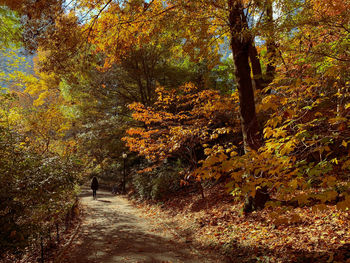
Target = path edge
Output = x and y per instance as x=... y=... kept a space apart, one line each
x=65 y=246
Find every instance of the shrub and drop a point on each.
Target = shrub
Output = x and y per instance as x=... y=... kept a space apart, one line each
x=158 y=183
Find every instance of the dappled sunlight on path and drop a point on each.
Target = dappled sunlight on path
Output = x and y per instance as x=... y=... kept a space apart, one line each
x=112 y=231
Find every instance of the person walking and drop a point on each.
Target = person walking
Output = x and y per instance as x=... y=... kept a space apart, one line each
x=94 y=187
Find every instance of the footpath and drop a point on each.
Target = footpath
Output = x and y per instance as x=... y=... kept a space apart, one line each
x=112 y=230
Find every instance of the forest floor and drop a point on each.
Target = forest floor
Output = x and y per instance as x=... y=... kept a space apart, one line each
x=278 y=234
x=112 y=230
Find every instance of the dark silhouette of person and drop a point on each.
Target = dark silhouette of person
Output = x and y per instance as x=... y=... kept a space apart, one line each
x=94 y=187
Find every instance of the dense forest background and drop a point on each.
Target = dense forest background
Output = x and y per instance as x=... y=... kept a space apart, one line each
x=159 y=96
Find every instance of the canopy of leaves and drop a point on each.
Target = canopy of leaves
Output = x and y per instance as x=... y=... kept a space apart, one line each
x=10 y=30
x=161 y=71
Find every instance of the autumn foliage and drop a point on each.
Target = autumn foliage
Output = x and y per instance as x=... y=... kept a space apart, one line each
x=180 y=123
x=145 y=78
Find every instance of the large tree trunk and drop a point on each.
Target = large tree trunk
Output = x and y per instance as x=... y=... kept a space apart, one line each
x=241 y=43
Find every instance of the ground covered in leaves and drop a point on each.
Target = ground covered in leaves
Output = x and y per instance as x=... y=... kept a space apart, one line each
x=271 y=235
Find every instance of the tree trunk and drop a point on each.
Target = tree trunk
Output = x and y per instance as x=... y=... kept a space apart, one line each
x=270 y=45
x=256 y=67
x=240 y=46
x=241 y=43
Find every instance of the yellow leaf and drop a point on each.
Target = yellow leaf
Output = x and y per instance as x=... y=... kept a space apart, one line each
x=214 y=136
x=207 y=151
x=233 y=153
x=267 y=132
x=294 y=184
x=344 y=143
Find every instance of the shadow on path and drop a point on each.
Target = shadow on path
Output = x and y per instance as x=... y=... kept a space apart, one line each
x=113 y=232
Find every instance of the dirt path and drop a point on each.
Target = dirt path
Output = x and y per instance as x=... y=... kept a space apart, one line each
x=113 y=231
